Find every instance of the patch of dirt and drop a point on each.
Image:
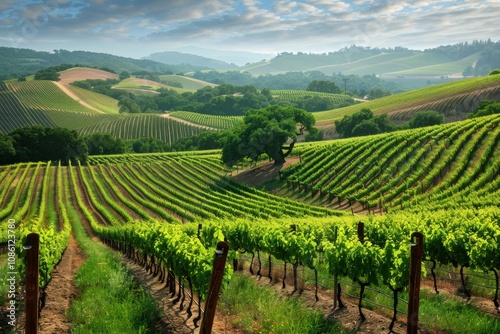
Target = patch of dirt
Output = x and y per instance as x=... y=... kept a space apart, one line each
x=173 y=319
x=84 y=73
x=264 y=173
x=61 y=290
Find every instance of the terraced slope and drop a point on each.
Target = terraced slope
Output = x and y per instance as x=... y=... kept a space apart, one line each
x=452 y=165
x=359 y=62
x=144 y=125
x=211 y=121
x=15 y=114
x=454 y=100
x=45 y=95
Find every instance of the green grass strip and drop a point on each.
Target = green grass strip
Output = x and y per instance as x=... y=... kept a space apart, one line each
x=263 y=310
x=109 y=300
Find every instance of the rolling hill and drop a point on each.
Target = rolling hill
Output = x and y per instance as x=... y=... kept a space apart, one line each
x=386 y=63
x=84 y=73
x=15 y=62
x=454 y=100
x=60 y=104
x=57 y=104
x=177 y=58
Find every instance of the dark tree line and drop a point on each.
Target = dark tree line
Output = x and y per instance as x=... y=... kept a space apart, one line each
x=39 y=143
x=364 y=123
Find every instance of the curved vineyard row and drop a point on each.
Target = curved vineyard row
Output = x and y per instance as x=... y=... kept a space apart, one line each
x=45 y=95
x=14 y=114
x=137 y=126
x=32 y=197
x=290 y=95
x=179 y=188
x=381 y=257
x=404 y=169
x=212 y=121
x=451 y=106
x=412 y=99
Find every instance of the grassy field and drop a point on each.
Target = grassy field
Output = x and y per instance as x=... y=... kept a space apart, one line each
x=188 y=83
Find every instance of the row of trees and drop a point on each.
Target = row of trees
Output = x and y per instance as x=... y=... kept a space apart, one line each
x=225 y=99
x=356 y=85
x=39 y=143
x=364 y=123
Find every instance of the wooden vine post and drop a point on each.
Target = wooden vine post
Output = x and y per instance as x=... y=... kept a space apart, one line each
x=214 y=287
x=32 y=292
x=417 y=247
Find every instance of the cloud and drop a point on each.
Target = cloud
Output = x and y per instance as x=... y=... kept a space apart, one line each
x=251 y=25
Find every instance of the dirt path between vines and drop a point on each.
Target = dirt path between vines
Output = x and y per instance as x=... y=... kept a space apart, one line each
x=68 y=92
x=173 y=320
x=61 y=290
x=180 y=120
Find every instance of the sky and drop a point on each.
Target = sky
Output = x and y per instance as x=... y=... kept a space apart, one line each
x=137 y=28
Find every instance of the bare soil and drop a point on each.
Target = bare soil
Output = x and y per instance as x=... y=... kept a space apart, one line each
x=173 y=319
x=84 y=73
x=61 y=290
x=262 y=174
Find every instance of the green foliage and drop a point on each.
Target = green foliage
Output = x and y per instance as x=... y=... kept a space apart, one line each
x=52 y=76
x=124 y=75
x=128 y=105
x=425 y=118
x=7 y=150
x=207 y=140
x=365 y=128
x=38 y=143
x=265 y=131
x=104 y=143
x=323 y=86
x=148 y=145
x=495 y=71
x=377 y=93
x=486 y=107
x=363 y=123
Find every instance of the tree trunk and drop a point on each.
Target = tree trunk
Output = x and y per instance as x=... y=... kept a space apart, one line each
x=282 y=155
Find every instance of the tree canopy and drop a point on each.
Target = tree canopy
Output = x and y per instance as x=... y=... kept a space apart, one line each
x=267 y=131
x=425 y=118
x=39 y=143
x=363 y=123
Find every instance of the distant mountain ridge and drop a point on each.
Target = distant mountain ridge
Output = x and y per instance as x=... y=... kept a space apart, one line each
x=459 y=60
x=178 y=58
x=15 y=63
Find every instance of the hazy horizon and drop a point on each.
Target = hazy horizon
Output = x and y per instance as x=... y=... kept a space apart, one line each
x=138 y=28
